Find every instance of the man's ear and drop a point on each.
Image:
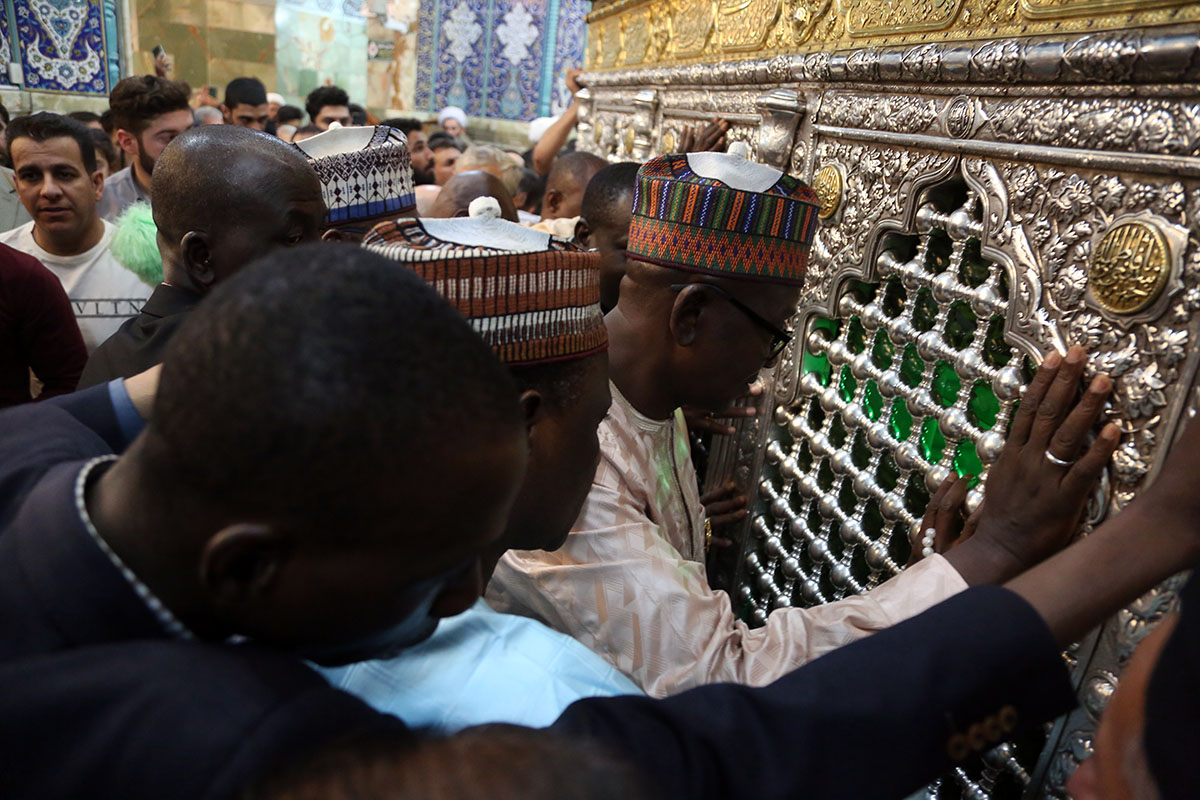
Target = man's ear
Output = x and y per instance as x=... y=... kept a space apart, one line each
x=533 y=408
x=127 y=141
x=583 y=232
x=98 y=184
x=196 y=251
x=242 y=561
x=552 y=201
x=685 y=314
x=333 y=235
x=226 y=113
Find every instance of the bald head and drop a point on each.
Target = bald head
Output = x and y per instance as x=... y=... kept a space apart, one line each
x=455 y=198
x=226 y=195
x=566 y=183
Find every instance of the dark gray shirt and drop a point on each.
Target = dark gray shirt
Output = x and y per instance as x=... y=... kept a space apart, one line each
x=121 y=190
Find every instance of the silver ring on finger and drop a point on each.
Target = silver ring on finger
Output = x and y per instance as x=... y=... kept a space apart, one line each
x=1053 y=459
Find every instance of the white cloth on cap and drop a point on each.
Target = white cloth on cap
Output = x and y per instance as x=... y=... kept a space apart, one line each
x=538 y=128
x=276 y=97
x=452 y=112
x=365 y=172
x=483 y=230
x=733 y=170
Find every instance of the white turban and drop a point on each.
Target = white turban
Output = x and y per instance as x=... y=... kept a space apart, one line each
x=538 y=128
x=452 y=112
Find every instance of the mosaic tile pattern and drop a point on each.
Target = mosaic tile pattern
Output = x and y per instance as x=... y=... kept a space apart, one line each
x=570 y=46
x=497 y=58
x=5 y=46
x=314 y=46
x=63 y=45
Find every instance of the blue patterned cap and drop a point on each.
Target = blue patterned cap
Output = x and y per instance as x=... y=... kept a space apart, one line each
x=366 y=173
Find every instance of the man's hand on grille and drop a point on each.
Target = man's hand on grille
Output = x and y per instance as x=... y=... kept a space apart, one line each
x=944 y=516
x=709 y=139
x=1038 y=487
x=723 y=506
x=700 y=421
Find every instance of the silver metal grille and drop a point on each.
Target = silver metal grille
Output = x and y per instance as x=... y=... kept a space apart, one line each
x=913 y=380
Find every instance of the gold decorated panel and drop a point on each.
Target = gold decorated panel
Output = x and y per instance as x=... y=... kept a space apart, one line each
x=675 y=32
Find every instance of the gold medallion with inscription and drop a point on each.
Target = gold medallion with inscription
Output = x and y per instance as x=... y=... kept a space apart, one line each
x=827 y=183
x=668 y=142
x=1130 y=267
x=627 y=140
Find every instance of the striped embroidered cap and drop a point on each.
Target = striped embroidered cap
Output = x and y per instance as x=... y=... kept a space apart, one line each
x=366 y=173
x=721 y=214
x=533 y=297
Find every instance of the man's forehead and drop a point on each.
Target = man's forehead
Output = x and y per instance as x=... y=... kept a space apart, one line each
x=57 y=149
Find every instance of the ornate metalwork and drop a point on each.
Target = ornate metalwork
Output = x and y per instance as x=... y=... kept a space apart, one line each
x=984 y=203
x=709 y=30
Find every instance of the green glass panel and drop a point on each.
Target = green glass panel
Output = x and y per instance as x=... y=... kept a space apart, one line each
x=837 y=431
x=860 y=452
x=916 y=496
x=933 y=443
x=937 y=256
x=847 y=386
x=982 y=406
x=1028 y=369
x=966 y=460
x=819 y=362
x=847 y=499
x=883 y=352
x=946 y=385
x=862 y=291
x=894 y=298
x=901 y=421
x=872 y=400
x=825 y=476
x=975 y=268
x=960 y=326
x=872 y=520
x=804 y=458
x=887 y=474
x=925 y=311
x=1002 y=285
x=899 y=547
x=816 y=414
x=856 y=336
x=996 y=352
x=912 y=368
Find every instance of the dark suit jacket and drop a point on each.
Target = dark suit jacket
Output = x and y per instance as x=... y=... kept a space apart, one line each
x=97 y=702
x=140 y=341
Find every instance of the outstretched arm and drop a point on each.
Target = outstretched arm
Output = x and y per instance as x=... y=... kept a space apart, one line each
x=552 y=141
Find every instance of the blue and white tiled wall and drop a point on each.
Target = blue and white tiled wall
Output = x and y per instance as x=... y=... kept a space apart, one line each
x=498 y=58
x=61 y=45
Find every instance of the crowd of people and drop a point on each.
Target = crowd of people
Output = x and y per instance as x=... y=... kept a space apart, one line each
x=345 y=461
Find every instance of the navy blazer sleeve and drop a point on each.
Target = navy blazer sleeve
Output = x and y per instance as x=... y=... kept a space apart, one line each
x=870 y=720
x=37 y=436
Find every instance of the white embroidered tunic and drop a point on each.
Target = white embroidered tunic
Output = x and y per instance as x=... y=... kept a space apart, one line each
x=630 y=581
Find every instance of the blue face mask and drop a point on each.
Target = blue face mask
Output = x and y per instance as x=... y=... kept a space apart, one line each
x=416 y=627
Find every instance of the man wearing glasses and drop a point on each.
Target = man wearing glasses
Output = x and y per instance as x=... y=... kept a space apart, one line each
x=718 y=248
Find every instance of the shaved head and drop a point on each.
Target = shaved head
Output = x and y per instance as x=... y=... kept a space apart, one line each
x=225 y=195
x=566 y=183
x=455 y=198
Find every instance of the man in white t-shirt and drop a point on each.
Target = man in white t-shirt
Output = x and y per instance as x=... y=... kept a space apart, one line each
x=60 y=186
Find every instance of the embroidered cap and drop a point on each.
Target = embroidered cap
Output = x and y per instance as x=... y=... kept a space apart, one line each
x=721 y=214
x=533 y=297
x=365 y=173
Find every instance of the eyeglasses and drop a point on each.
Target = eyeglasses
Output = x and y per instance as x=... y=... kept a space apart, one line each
x=779 y=338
